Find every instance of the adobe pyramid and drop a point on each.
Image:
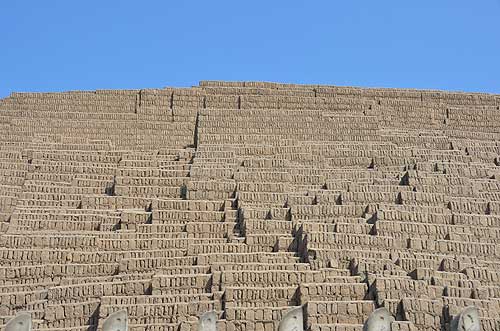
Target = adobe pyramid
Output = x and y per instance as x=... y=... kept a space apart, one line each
x=249 y=198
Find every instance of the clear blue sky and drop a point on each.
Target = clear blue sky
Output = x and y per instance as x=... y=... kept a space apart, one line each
x=69 y=45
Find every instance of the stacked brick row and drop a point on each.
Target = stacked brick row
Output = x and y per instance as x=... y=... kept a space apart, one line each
x=249 y=198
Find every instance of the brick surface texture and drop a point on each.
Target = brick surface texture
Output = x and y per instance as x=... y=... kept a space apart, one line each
x=249 y=198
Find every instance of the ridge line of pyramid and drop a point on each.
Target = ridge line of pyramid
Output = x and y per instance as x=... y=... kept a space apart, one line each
x=251 y=84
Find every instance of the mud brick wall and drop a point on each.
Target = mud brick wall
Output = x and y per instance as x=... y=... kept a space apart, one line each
x=249 y=198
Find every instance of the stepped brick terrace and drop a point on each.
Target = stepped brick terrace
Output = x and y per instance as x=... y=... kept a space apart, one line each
x=249 y=198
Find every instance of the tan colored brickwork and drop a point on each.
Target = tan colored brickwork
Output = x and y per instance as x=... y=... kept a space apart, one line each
x=249 y=198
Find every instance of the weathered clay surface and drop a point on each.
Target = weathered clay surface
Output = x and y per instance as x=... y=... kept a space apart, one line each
x=249 y=199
